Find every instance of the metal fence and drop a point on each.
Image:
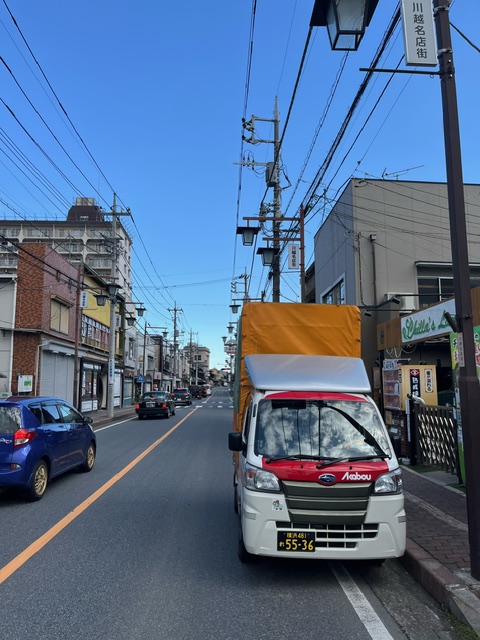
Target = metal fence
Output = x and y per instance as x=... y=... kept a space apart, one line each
x=436 y=437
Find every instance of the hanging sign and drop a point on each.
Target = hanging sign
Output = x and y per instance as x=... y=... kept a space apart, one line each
x=293 y=257
x=419 y=33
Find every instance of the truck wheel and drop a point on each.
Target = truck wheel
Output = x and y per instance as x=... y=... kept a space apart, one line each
x=235 y=497
x=243 y=554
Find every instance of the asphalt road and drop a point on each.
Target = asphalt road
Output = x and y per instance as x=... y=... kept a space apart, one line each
x=144 y=547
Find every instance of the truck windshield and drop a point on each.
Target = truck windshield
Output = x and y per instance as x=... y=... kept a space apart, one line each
x=319 y=429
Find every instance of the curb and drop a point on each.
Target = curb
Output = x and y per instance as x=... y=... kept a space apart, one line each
x=101 y=422
x=459 y=597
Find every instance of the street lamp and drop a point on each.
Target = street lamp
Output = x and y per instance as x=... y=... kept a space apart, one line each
x=101 y=299
x=248 y=234
x=345 y=20
x=268 y=255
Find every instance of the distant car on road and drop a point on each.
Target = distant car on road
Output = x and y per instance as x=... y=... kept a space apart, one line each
x=40 y=438
x=182 y=395
x=196 y=391
x=155 y=403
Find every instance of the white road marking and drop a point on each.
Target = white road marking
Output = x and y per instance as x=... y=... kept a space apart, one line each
x=364 y=610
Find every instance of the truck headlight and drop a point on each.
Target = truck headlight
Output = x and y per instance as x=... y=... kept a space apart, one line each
x=389 y=482
x=258 y=479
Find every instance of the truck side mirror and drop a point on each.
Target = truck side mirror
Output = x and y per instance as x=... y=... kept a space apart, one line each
x=235 y=442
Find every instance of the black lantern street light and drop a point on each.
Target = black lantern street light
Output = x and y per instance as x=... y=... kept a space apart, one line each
x=101 y=299
x=345 y=20
x=268 y=255
x=248 y=234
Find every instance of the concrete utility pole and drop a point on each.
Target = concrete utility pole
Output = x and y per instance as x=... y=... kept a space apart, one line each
x=175 y=310
x=112 y=290
x=277 y=194
x=272 y=177
x=78 y=315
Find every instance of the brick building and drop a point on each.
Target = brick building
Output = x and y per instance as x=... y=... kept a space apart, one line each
x=45 y=323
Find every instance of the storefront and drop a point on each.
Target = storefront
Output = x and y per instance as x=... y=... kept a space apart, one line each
x=128 y=390
x=417 y=359
x=91 y=386
x=57 y=366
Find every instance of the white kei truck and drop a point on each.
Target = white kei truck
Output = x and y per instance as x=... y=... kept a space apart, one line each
x=315 y=474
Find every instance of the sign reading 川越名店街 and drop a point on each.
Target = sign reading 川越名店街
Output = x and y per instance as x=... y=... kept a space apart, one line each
x=419 y=33
x=427 y=323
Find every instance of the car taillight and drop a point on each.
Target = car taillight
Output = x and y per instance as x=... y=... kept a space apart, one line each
x=23 y=436
x=164 y=405
x=137 y=406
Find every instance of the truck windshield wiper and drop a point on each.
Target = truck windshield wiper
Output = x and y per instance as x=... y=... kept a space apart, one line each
x=330 y=461
x=300 y=456
x=369 y=439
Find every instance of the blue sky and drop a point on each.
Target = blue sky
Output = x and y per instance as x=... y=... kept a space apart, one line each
x=157 y=91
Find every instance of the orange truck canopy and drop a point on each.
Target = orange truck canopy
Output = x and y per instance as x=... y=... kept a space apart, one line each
x=292 y=328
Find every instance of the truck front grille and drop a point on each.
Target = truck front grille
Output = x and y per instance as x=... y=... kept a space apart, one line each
x=335 y=536
x=309 y=503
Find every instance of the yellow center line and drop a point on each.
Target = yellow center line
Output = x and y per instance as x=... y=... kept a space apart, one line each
x=38 y=544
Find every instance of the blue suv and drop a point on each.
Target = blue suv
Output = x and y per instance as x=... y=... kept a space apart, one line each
x=40 y=438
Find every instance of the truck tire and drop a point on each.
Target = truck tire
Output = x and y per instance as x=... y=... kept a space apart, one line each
x=243 y=555
x=235 y=496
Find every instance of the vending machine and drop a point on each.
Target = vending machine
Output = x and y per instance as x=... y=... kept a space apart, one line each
x=402 y=380
x=399 y=382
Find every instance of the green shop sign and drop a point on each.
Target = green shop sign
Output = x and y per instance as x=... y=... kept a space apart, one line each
x=427 y=323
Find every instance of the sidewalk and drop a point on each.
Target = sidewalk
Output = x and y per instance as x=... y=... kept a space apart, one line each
x=100 y=418
x=438 y=550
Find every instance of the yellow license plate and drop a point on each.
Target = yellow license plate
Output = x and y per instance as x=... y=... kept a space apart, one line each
x=301 y=541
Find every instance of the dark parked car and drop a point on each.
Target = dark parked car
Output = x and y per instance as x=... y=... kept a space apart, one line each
x=40 y=438
x=182 y=396
x=155 y=403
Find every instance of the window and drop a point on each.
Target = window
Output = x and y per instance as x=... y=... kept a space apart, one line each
x=10 y=232
x=68 y=413
x=336 y=295
x=95 y=331
x=34 y=232
x=320 y=428
x=59 y=316
x=10 y=419
x=37 y=411
x=437 y=288
x=50 y=413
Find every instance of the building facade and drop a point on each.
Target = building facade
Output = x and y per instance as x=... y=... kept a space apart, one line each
x=385 y=247
x=54 y=333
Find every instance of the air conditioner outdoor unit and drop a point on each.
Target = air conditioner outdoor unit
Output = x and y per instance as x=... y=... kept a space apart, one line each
x=407 y=301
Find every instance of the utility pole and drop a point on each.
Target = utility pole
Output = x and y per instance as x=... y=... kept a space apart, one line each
x=276 y=206
x=272 y=177
x=191 y=356
x=175 y=310
x=469 y=409
x=112 y=291
x=76 y=362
